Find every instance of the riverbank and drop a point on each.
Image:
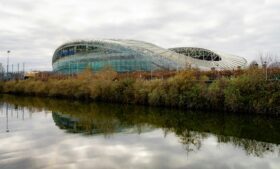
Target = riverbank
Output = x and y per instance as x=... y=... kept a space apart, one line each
x=248 y=92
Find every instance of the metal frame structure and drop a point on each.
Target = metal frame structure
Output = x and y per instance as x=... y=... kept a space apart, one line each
x=132 y=55
x=206 y=59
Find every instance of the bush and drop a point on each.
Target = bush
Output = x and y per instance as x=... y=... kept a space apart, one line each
x=247 y=92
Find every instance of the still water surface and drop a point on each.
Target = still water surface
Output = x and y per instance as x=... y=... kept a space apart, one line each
x=43 y=133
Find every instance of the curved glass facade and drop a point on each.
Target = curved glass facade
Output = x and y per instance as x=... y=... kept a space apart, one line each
x=122 y=56
x=130 y=55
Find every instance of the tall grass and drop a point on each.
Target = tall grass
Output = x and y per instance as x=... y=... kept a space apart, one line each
x=248 y=91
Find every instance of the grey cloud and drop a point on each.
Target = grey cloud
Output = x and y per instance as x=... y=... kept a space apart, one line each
x=33 y=29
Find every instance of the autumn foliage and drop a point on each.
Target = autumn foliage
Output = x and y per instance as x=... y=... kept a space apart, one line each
x=247 y=91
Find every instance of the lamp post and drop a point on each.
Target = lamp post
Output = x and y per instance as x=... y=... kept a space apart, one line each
x=217 y=65
x=265 y=64
x=8 y=53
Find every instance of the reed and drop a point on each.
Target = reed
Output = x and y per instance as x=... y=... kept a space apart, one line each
x=247 y=91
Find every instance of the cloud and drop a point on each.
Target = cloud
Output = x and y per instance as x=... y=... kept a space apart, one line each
x=33 y=29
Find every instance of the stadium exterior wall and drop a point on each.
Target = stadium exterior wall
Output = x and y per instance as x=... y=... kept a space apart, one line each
x=131 y=55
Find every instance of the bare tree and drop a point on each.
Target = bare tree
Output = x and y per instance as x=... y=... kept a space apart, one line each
x=267 y=58
x=254 y=64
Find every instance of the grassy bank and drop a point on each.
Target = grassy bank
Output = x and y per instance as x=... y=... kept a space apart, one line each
x=248 y=92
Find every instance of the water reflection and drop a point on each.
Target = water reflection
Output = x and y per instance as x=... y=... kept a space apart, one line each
x=154 y=134
x=254 y=134
x=91 y=125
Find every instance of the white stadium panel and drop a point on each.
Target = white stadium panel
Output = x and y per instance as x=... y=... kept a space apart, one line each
x=133 y=54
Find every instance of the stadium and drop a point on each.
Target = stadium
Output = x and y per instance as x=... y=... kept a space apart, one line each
x=132 y=55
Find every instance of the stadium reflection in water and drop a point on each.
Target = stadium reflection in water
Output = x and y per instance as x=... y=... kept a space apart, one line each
x=47 y=133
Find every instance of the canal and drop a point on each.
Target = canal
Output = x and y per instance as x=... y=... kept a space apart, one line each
x=48 y=133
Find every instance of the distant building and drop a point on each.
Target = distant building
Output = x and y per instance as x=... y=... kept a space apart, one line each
x=31 y=74
x=131 y=55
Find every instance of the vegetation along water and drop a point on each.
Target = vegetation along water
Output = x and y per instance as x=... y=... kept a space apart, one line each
x=246 y=91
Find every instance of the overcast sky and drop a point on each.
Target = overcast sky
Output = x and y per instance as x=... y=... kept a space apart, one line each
x=32 y=29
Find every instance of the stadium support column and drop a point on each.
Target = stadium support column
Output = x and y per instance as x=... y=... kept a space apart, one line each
x=77 y=67
x=69 y=69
